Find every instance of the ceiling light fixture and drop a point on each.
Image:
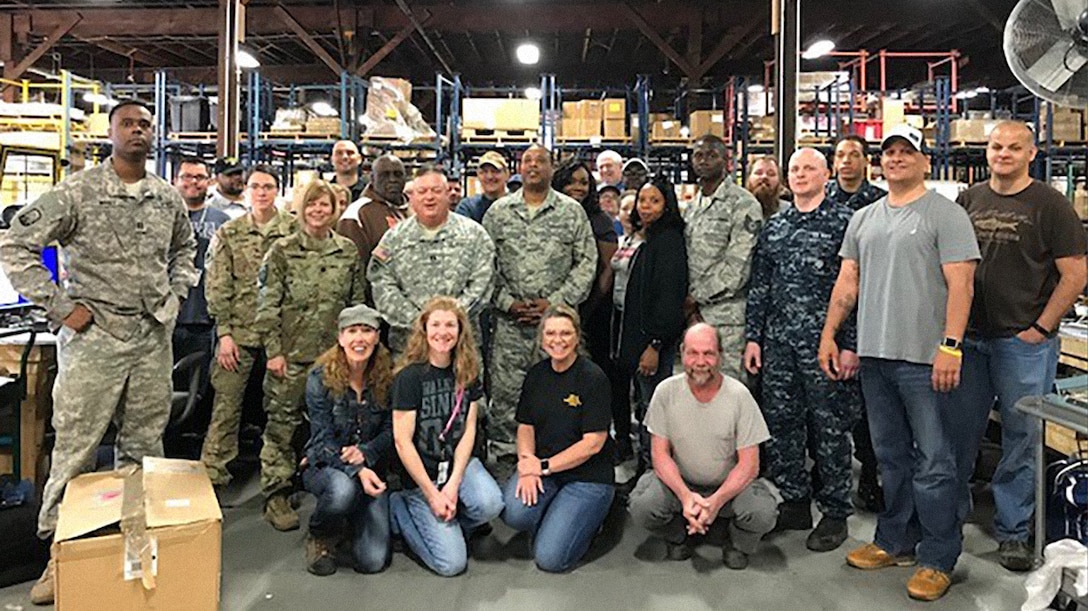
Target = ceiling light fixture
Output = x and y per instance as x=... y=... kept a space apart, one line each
x=757 y=88
x=528 y=53
x=533 y=93
x=819 y=48
x=246 y=60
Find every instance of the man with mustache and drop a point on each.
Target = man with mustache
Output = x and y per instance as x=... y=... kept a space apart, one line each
x=765 y=184
x=130 y=252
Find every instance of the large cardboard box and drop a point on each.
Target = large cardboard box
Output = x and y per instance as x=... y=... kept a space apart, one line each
x=591 y=109
x=703 y=122
x=614 y=108
x=665 y=129
x=971 y=130
x=145 y=538
x=614 y=129
x=500 y=113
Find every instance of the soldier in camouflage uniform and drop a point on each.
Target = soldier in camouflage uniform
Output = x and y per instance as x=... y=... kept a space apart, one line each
x=429 y=254
x=130 y=251
x=545 y=254
x=852 y=188
x=795 y=266
x=234 y=259
x=305 y=280
x=722 y=224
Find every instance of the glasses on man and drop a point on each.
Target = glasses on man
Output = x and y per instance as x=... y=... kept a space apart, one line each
x=262 y=187
x=193 y=177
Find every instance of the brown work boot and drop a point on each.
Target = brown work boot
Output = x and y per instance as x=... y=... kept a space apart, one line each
x=44 y=589
x=871 y=556
x=279 y=513
x=928 y=584
x=320 y=558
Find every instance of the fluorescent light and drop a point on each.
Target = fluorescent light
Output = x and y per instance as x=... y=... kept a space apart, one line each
x=819 y=48
x=96 y=98
x=967 y=95
x=323 y=109
x=528 y=53
x=533 y=93
x=757 y=88
x=982 y=89
x=246 y=60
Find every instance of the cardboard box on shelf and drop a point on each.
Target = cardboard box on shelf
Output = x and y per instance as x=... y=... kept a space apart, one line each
x=143 y=538
x=570 y=110
x=323 y=126
x=702 y=122
x=665 y=129
x=614 y=108
x=591 y=109
x=971 y=130
x=580 y=129
x=614 y=129
x=1080 y=202
x=500 y=113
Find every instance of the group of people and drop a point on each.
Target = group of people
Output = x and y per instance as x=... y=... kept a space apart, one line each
x=436 y=345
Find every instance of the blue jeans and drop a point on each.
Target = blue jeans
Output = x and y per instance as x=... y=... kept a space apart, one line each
x=911 y=426
x=340 y=499
x=1006 y=369
x=563 y=522
x=441 y=545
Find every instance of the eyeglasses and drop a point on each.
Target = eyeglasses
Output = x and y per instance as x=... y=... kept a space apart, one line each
x=263 y=187
x=193 y=177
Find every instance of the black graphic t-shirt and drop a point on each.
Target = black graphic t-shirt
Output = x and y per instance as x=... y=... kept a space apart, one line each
x=431 y=392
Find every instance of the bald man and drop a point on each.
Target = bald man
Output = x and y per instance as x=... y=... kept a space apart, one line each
x=794 y=269
x=1032 y=269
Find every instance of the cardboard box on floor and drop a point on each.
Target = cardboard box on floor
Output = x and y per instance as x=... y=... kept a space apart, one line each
x=145 y=538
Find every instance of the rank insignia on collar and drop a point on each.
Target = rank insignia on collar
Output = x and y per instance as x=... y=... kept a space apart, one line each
x=573 y=400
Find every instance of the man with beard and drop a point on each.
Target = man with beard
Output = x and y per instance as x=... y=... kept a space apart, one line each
x=706 y=430
x=230 y=183
x=345 y=162
x=765 y=183
x=545 y=255
x=381 y=206
x=130 y=251
x=722 y=224
x=493 y=172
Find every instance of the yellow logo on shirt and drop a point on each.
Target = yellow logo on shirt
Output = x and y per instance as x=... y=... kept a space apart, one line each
x=573 y=400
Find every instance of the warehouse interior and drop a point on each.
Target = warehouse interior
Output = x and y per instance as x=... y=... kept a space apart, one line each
x=279 y=82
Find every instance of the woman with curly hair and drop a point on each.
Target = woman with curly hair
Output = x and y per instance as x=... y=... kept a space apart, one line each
x=351 y=446
x=448 y=493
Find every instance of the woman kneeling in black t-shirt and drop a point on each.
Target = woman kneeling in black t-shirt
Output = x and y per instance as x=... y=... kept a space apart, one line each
x=564 y=484
x=448 y=493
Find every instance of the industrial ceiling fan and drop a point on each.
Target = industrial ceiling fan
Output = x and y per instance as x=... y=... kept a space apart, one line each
x=1046 y=45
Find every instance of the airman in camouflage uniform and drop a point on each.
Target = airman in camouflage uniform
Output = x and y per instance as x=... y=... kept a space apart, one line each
x=234 y=259
x=722 y=225
x=306 y=279
x=545 y=254
x=429 y=254
x=795 y=266
x=129 y=251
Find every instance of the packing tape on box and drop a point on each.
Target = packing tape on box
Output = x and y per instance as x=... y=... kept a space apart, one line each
x=141 y=551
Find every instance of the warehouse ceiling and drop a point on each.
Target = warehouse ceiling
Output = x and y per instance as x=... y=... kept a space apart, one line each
x=585 y=43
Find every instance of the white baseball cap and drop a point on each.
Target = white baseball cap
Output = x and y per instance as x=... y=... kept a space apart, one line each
x=906 y=132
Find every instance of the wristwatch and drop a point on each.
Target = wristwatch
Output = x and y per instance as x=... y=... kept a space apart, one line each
x=951 y=343
x=545 y=468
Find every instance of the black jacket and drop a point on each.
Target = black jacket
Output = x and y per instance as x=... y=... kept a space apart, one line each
x=653 y=307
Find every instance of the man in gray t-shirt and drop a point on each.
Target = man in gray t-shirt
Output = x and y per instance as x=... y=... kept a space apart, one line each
x=706 y=429
x=908 y=264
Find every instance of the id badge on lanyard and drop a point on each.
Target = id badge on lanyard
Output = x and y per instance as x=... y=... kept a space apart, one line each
x=444 y=464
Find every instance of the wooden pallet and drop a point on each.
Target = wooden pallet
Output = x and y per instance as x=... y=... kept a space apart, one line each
x=471 y=135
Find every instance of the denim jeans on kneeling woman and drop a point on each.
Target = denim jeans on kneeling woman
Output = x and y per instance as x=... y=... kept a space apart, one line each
x=340 y=499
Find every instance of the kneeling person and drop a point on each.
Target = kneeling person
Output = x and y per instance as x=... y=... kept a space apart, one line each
x=565 y=482
x=705 y=434
x=351 y=444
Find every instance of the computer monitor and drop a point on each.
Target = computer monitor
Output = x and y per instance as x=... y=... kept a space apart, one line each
x=10 y=297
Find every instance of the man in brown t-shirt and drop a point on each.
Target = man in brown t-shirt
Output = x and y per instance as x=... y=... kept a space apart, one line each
x=381 y=206
x=1032 y=270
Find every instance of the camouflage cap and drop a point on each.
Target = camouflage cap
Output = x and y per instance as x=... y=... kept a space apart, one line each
x=359 y=315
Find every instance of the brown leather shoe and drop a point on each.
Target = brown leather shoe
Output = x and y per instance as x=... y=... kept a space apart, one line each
x=871 y=556
x=928 y=584
x=44 y=589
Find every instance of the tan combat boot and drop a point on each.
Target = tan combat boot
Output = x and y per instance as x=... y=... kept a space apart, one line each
x=279 y=513
x=320 y=556
x=43 y=591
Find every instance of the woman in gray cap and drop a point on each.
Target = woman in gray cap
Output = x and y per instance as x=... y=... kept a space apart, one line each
x=350 y=447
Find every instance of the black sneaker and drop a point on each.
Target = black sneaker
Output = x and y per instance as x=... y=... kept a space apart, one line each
x=829 y=534
x=733 y=558
x=678 y=551
x=794 y=515
x=1016 y=555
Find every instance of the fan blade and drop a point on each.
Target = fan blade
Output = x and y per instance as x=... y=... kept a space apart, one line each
x=1067 y=11
x=1057 y=65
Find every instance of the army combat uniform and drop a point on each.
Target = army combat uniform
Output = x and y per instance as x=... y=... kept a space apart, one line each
x=793 y=272
x=721 y=230
x=547 y=254
x=230 y=284
x=304 y=283
x=412 y=264
x=129 y=259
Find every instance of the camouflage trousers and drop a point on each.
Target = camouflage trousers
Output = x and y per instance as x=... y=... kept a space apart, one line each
x=514 y=350
x=728 y=318
x=806 y=410
x=101 y=379
x=283 y=397
x=221 y=441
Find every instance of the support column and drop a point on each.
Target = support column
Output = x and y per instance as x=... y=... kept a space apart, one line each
x=231 y=31
x=787 y=30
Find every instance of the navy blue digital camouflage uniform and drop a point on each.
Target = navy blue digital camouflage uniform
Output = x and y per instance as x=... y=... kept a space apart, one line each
x=866 y=194
x=794 y=270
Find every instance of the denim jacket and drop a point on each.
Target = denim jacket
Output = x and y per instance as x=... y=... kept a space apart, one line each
x=339 y=421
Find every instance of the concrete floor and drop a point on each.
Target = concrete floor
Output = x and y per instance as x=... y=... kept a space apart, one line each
x=264 y=570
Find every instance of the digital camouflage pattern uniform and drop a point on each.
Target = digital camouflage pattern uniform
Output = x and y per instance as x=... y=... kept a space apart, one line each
x=866 y=194
x=304 y=283
x=794 y=269
x=721 y=231
x=230 y=285
x=411 y=265
x=549 y=254
x=129 y=260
